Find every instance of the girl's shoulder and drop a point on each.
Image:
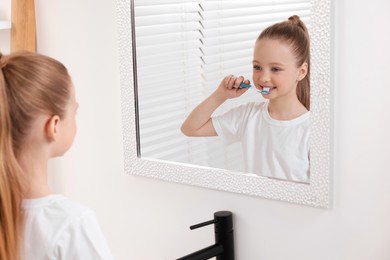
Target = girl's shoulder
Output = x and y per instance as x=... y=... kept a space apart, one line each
x=55 y=205
x=66 y=230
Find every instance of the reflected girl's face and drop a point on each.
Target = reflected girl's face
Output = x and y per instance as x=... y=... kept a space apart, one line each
x=274 y=67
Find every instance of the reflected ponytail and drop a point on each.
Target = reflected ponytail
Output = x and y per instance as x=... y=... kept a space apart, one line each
x=294 y=32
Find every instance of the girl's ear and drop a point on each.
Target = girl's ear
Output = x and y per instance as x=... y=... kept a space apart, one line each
x=302 y=71
x=51 y=127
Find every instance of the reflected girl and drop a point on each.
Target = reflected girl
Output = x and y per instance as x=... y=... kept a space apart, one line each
x=274 y=134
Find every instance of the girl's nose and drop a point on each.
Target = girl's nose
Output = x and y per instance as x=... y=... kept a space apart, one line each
x=264 y=77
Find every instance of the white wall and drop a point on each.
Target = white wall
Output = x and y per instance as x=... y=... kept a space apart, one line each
x=146 y=219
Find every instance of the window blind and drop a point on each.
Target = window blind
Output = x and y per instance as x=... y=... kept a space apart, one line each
x=184 y=49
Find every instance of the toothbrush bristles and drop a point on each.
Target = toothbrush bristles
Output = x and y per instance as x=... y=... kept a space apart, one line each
x=265 y=91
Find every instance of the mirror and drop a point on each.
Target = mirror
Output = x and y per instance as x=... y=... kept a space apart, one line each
x=174 y=66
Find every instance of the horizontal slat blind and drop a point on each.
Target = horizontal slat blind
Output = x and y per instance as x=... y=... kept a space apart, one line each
x=169 y=68
x=184 y=50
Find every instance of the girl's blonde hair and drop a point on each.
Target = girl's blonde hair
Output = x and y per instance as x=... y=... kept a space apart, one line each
x=294 y=32
x=30 y=84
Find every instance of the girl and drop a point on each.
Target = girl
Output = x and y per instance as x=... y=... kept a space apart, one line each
x=274 y=134
x=37 y=122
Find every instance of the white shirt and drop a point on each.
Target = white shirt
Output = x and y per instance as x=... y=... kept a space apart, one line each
x=59 y=229
x=272 y=148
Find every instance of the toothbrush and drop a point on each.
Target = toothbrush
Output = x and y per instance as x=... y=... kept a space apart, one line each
x=264 y=91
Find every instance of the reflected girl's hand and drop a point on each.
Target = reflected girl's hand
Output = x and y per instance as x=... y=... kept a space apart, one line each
x=230 y=87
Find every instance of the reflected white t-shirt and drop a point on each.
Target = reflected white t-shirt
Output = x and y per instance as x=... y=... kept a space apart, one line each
x=272 y=148
x=58 y=229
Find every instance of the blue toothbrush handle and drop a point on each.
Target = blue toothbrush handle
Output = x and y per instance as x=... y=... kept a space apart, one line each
x=244 y=85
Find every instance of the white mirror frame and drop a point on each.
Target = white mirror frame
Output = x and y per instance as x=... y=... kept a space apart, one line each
x=316 y=194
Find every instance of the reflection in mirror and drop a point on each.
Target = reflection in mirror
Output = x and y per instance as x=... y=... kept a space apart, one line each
x=158 y=132
x=184 y=50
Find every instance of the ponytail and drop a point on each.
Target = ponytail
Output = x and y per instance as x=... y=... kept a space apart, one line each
x=303 y=88
x=11 y=190
x=294 y=32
